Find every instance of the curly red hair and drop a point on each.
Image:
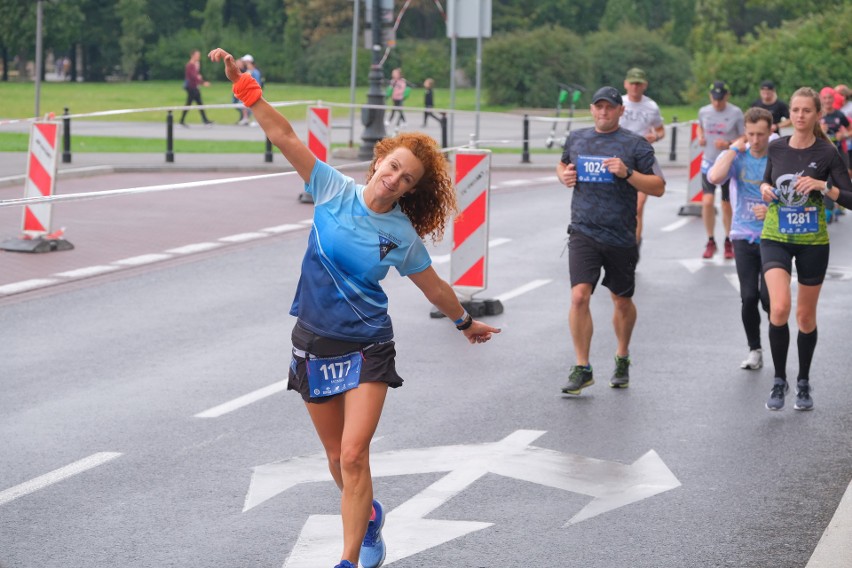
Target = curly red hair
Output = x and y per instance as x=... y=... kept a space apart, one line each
x=433 y=201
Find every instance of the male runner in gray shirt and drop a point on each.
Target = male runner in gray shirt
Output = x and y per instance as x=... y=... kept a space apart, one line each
x=720 y=124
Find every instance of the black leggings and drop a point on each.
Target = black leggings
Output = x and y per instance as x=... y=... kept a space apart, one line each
x=193 y=96
x=752 y=288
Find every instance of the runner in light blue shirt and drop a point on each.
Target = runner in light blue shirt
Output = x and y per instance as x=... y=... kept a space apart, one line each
x=744 y=164
x=343 y=350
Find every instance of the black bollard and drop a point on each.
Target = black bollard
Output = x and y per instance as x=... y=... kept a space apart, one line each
x=444 y=130
x=66 y=138
x=673 y=152
x=525 y=157
x=267 y=157
x=170 y=141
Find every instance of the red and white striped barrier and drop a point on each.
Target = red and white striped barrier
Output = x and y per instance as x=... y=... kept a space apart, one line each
x=319 y=131
x=694 y=188
x=40 y=182
x=469 y=259
x=319 y=139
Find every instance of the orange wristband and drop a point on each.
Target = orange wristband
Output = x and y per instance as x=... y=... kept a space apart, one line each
x=247 y=90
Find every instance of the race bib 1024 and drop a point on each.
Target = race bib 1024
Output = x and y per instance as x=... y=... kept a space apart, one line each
x=591 y=169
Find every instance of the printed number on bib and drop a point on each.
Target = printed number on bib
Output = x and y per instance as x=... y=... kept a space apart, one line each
x=333 y=375
x=798 y=220
x=591 y=169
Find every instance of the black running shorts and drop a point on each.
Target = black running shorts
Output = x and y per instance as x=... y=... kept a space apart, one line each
x=707 y=187
x=811 y=260
x=378 y=364
x=586 y=258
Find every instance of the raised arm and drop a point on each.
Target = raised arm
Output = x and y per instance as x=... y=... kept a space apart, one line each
x=276 y=127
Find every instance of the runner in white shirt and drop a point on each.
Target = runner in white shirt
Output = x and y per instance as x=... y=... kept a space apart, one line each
x=641 y=116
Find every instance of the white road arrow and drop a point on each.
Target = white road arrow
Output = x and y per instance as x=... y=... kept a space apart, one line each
x=612 y=485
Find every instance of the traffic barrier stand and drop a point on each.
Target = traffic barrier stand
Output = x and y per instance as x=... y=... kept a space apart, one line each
x=40 y=182
x=469 y=258
x=694 y=189
x=319 y=139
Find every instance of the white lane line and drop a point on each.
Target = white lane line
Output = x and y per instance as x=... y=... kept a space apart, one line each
x=307 y=221
x=242 y=401
x=835 y=542
x=56 y=476
x=513 y=183
x=676 y=225
x=243 y=237
x=283 y=229
x=197 y=247
x=528 y=287
x=142 y=259
x=25 y=285
x=87 y=271
x=445 y=258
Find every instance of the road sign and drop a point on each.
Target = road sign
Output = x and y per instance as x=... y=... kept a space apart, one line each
x=612 y=485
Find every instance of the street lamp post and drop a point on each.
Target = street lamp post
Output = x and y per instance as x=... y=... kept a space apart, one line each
x=373 y=119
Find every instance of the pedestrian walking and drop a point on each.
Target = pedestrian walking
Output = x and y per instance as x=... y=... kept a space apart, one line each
x=429 y=101
x=802 y=169
x=398 y=90
x=343 y=348
x=719 y=124
x=607 y=166
x=744 y=164
x=641 y=116
x=192 y=81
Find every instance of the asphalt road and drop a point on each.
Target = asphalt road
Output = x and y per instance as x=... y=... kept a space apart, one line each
x=117 y=450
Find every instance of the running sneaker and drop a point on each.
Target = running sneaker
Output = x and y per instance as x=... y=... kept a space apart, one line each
x=803 y=396
x=621 y=377
x=345 y=564
x=710 y=250
x=373 y=548
x=580 y=378
x=754 y=360
x=776 y=396
x=729 y=249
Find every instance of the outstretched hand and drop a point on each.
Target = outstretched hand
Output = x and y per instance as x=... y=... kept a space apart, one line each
x=232 y=72
x=479 y=332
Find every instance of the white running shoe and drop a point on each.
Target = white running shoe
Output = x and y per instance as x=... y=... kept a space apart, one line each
x=754 y=360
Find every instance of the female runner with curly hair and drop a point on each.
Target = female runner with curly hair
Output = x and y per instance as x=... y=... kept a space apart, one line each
x=343 y=349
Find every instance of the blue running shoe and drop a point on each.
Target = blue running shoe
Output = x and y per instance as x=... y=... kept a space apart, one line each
x=373 y=548
x=345 y=564
x=776 y=396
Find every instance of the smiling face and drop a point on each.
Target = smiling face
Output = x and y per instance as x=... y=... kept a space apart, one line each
x=396 y=174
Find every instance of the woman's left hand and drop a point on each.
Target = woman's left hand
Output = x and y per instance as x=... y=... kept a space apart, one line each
x=480 y=332
x=808 y=184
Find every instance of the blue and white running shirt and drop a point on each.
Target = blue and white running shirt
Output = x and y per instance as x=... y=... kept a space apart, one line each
x=350 y=250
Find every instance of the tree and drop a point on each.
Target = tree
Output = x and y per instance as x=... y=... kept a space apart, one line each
x=135 y=25
x=525 y=68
